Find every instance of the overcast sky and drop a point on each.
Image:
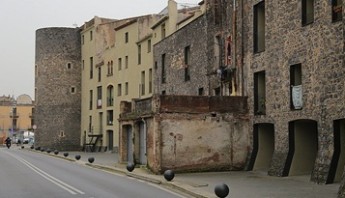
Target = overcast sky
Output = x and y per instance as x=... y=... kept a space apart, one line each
x=20 y=19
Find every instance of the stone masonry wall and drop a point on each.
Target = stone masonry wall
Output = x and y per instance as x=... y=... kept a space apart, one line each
x=319 y=48
x=58 y=88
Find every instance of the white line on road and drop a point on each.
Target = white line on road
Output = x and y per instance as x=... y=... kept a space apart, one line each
x=50 y=178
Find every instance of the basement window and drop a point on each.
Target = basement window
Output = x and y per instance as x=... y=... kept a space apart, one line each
x=73 y=90
x=307 y=12
x=259 y=93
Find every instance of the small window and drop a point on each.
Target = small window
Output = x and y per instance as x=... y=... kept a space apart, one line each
x=83 y=64
x=119 y=64
x=126 y=88
x=163 y=69
x=126 y=37
x=91 y=36
x=126 y=62
x=217 y=91
x=91 y=67
x=163 y=33
x=99 y=74
x=164 y=92
x=82 y=39
x=201 y=91
x=69 y=65
x=150 y=80
x=142 y=87
x=62 y=133
x=119 y=90
x=139 y=54
x=337 y=10
x=307 y=12
x=73 y=90
x=149 y=45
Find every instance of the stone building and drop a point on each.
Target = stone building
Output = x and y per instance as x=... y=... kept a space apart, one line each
x=293 y=52
x=58 y=88
x=187 y=126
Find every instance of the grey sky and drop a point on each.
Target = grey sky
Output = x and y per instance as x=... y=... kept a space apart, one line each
x=21 y=18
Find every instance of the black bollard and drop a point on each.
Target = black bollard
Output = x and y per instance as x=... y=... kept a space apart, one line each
x=32 y=147
x=56 y=152
x=65 y=154
x=22 y=147
x=42 y=149
x=91 y=159
x=169 y=175
x=48 y=151
x=77 y=157
x=130 y=166
x=221 y=190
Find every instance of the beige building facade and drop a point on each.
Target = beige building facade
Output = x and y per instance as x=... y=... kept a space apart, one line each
x=16 y=116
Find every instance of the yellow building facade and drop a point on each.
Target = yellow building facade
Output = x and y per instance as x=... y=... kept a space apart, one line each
x=15 y=116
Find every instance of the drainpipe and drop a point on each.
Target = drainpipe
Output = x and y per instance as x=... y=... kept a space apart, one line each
x=234 y=40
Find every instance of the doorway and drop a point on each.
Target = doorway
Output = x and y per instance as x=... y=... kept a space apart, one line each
x=110 y=140
x=338 y=159
x=303 y=146
x=142 y=143
x=129 y=134
x=263 y=146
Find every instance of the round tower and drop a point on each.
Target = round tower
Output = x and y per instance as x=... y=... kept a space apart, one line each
x=58 y=88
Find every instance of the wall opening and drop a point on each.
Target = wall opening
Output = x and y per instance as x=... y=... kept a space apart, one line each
x=110 y=135
x=303 y=146
x=263 y=147
x=127 y=137
x=338 y=159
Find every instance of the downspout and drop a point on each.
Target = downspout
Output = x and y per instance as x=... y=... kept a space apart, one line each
x=234 y=41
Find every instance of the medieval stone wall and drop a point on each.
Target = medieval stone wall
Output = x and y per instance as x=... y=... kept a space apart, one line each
x=58 y=88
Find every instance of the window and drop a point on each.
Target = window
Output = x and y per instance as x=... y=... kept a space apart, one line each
x=73 y=90
x=201 y=91
x=120 y=64
x=126 y=62
x=83 y=64
x=139 y=54
x=296 y=99
x=126 y=88
x=111 y=67
x=217 y=91
x=259 y=93
x=186 y=63
x=163 y=33
x=110 y=95
x=62 y=133
x=82 y=39
x=259 y=27
x=119 y=91
x=90 y=125
x=91 y=67
x=126 y=37
x=69 y=65
x=148 y=45
x=91 y=36
x=307 y=12
x=150 y=80
x=110 y=117
x=142 y=83
x=99 y=74
x=337 y=10
x=163 y=69
x=217 y=12
x=91 y=97
x=99 y=97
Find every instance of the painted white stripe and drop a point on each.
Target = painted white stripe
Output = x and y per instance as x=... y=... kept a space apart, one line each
x=50 y=178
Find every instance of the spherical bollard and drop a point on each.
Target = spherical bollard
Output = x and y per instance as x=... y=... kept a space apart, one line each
x=221 y=190
x=169 y=175
x=130 y=166
x=56 y=152
x=91 y=159
x=65 y=154
x=32 y=147
x=22 y=147
x=77 y=157
x=42 y=149
x=48 y=151
x=38 y=148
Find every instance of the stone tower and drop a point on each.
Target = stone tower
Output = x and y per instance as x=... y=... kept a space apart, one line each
x=58 y=88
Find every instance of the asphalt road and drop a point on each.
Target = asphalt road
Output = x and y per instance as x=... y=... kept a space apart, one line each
x=33 y=175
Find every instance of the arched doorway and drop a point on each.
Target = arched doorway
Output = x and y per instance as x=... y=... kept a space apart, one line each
x=263 y=146
x=303 y=146
x=338 y=159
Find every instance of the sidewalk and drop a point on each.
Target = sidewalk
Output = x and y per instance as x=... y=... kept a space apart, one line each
x=242 y=184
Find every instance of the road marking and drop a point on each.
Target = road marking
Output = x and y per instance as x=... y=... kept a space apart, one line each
x=48 y=177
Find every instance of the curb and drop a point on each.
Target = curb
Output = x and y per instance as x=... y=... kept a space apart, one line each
x=171 y=185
